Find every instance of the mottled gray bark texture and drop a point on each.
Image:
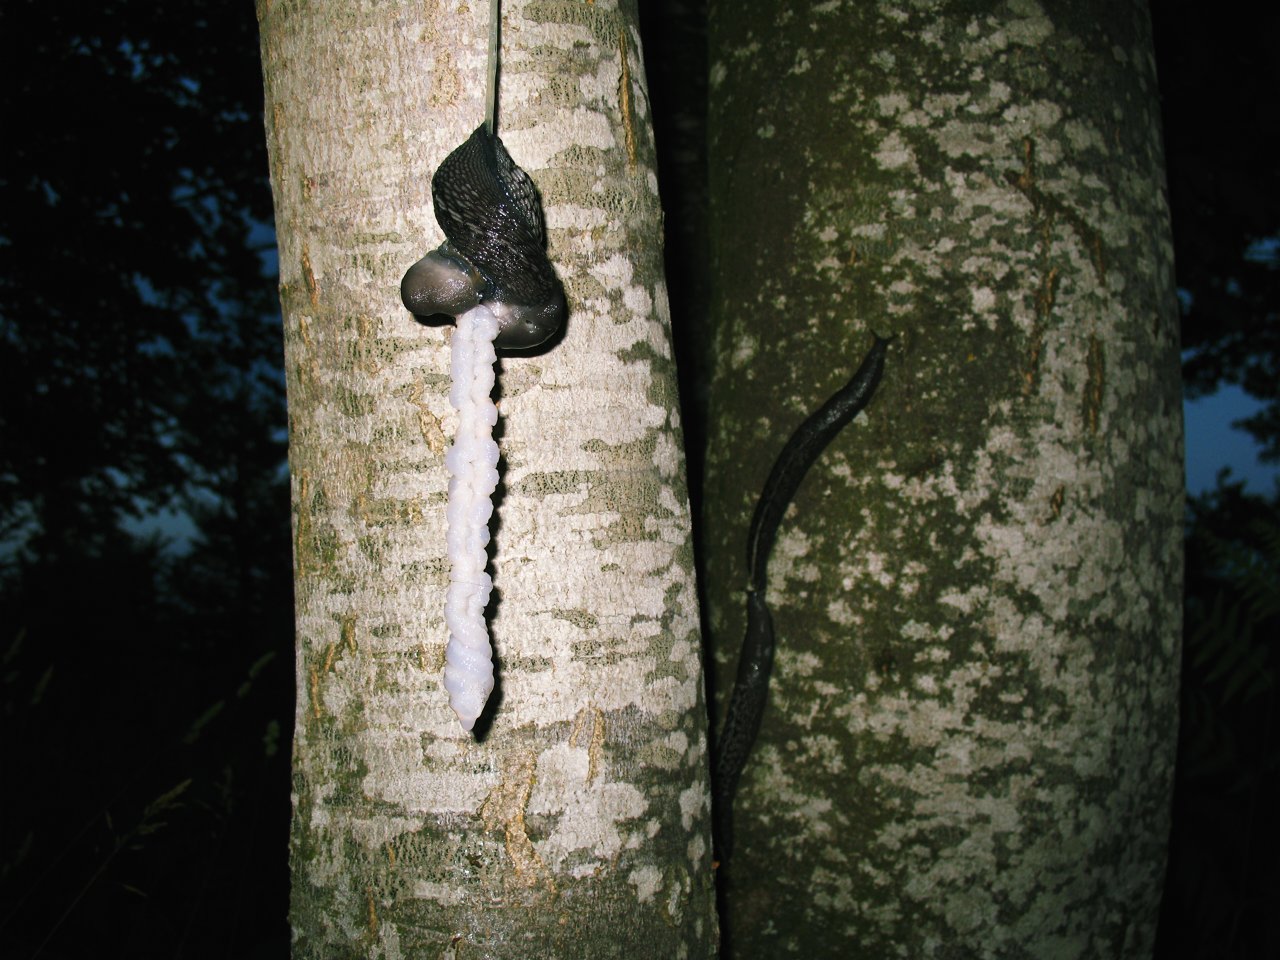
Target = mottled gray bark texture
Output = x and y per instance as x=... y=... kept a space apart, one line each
x=578 y=826
x=969 y=743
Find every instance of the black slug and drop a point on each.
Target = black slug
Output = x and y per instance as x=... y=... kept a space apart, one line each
x=495 y=253
x=755 y=662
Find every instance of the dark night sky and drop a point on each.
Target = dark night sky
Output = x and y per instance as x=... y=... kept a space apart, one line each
x=1213 y=443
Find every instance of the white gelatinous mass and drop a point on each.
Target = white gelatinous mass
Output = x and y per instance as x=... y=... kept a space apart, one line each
x=472 y=462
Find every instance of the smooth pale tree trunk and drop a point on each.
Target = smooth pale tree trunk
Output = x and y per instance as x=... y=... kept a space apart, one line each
x=969 y=742
x=578 y=825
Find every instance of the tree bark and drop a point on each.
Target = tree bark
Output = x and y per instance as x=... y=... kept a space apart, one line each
x=578 y=824
x=969 y=743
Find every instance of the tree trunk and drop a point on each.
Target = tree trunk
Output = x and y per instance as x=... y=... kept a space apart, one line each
x=578 y=825
x=969 y=742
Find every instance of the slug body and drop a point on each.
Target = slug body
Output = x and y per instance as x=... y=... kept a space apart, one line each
x=495 y=251
x=755 y=662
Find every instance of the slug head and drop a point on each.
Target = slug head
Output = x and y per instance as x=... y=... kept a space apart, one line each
x=441 y=283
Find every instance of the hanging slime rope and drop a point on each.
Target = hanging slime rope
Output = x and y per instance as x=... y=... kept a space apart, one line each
x=493 y=276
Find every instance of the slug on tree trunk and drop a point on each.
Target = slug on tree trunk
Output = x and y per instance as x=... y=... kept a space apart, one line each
x=492 y=275
x=755 y=661
x=495 y=253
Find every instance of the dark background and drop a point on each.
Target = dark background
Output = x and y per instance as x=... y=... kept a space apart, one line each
x=145 y=582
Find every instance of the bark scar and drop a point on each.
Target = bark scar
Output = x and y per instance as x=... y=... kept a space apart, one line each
x=504 y=808
x=624 y=98
x=595 y=741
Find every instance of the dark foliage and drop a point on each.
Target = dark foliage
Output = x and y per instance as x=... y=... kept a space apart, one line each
x=146 y=684
x=1218 y=72
x=1222 y=136
x=1223 y=884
